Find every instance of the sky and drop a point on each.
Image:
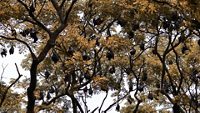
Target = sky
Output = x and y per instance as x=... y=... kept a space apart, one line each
x=8 y=63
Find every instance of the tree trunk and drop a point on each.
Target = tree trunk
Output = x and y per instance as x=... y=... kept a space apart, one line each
x=74 y=105
x=31 y=88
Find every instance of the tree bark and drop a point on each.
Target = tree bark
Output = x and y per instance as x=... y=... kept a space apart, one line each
x=74 y=105
x=31 y=88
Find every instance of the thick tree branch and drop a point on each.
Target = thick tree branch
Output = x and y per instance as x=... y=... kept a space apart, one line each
x=69 y=10
x=34 y=18
x=75 y=104
x=58 y=10
x=62 y=3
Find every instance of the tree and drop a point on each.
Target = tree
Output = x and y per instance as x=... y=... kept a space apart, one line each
x=145 y=52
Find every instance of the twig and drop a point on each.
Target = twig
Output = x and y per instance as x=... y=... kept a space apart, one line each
x=103 y=101
x=3 y=71
x=115 y=103
x=94 y=110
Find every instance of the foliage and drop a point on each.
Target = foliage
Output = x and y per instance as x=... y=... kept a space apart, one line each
x=144 y=51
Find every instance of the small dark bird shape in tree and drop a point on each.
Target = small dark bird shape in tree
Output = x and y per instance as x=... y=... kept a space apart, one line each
x=48 y=96
x=150 y=96
x=112 y=70
x=90 y=5
x=33 y=35
x=81 y=79
x=140 y=88
x=166 y=24
x=154 y=51
x=176 y=108
x=195 y=24
x=90 y=91
x=32 y=9
x=133 y=51
x=70 y=52
x=11 y=50
x=118 y=107
x=85 y=89
x=4 y=52
x=175 y=17
x=97 y=21
x=128 y=71
x=51 y=90
x=142 y=46
x=67 y=78
x=131 y=34
x=110 y=54
x=87 y=76
x=130 y=99
x=47 y=74
x=157 y=85
x=130 y=86
x=97 y=42
x=25 y=32
x=14 y=33
x=184 y=49
x=55 y=57
x=85 y=56
x=135 y=26
x=144 y=76
x=170 y=62
x=121 y=22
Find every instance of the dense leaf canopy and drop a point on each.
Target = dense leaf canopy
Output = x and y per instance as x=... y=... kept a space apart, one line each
x=144 y=52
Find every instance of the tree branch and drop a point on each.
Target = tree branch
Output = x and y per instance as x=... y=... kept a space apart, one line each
x=69 y=10
x=34 y=18
x=58 y=10
x=115 y=102
x=103 y=101
x=21 y=41
x=6 y=91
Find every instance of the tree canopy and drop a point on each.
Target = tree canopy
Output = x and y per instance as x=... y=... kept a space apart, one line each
x=144 y=52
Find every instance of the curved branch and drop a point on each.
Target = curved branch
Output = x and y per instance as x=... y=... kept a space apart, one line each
x=21 y=41
x=3 y=67
x=75 y=103
x=6 y=91
x=64 y=23
x=34 y=18
x=103 y=101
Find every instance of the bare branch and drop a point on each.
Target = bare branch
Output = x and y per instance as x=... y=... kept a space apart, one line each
x=103 y=101
x=115 y=102
x=6 y=91
x=94 y=110
x=3 y=67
